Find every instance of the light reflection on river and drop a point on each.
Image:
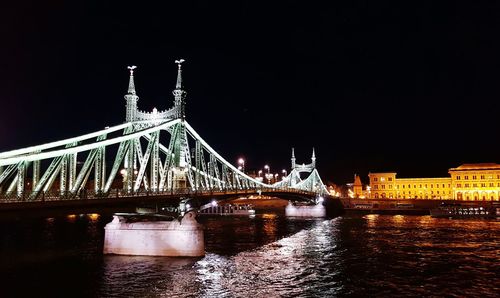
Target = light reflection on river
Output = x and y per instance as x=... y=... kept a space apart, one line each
x=265 y=256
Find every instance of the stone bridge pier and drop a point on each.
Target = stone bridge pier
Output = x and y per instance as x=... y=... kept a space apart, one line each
x=150 y=236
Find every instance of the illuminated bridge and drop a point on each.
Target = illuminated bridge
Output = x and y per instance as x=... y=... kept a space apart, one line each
x=152 y=157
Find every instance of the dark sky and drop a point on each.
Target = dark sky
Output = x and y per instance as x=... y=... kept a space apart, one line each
x=412 y=88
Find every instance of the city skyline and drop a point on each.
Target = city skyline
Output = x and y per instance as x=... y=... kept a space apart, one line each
x=416 y=94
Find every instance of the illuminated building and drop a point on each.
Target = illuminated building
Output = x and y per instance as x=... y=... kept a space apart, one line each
x=467 y=182
x=476 y=181
x=357 y=187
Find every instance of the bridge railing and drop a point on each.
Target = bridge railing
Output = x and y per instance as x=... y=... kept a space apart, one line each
x=44 y=196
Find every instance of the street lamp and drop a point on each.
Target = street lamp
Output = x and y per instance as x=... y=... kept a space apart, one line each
x=267 y=168
x=268 y=177
x=241 y=163
x=275 y=177
x=284 y=172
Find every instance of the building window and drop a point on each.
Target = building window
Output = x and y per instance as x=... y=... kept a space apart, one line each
x=389 y=179
x=482 y=176
x=437 y=185
x=458 y=177
x=474 y=185
x=403 y=186
x=375 y=186
x=383 y=186
x=459 y=185
x=492 y=184
x=483 y=184
x=466 y=185
x=414 y=186
x=474 y=177
x=375 y=179
x=390 y=186
x=466 y=177
x=432 y=185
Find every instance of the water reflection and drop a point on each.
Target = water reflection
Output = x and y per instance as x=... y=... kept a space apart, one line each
x=145 y=276
x=267 y=255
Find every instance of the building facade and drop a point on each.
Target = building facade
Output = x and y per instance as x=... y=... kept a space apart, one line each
x=466 y=182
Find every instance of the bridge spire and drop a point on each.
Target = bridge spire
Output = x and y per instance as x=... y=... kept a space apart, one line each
x=131 y=97
x=293 y=158
x=179 y=93
x=313 y=159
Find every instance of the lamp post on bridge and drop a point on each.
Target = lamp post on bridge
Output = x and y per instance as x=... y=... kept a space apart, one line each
x=266 y=167
x=241 y=164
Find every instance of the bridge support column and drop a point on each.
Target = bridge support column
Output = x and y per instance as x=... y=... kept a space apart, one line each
x=174 y=238
x=317 y=210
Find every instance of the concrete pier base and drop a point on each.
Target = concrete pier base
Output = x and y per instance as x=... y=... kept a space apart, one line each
x=155 y=238
x=305 y=211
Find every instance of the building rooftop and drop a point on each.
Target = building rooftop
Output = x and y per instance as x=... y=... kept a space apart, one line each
x=476 y=166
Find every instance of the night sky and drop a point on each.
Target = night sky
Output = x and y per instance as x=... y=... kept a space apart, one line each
x=411 y=88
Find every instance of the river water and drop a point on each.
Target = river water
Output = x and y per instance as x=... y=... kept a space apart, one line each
x=265 y=256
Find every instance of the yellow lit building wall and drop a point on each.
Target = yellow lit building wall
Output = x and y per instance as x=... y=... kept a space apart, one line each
x=382 y=185
x=467 y=182
x=476 y=182
x=424 y=188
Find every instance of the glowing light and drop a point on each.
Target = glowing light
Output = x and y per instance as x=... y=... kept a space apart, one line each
x=269 y=215
x=214 y=203
x=188 y=206
x=93 y=216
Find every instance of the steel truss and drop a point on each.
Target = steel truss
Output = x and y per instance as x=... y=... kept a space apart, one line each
x=154 y=152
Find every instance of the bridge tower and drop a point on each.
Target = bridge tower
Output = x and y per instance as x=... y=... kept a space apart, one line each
x=179 y=93
x=304 y=167
x=130 y=116
x=131 y=97
x=181 y=152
